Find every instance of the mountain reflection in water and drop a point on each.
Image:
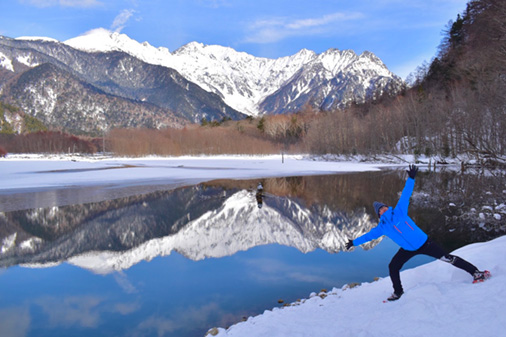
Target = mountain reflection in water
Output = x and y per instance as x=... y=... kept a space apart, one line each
x=177 y=262
x=209 y=220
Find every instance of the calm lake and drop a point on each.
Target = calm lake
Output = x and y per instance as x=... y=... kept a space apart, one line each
x=179 y=261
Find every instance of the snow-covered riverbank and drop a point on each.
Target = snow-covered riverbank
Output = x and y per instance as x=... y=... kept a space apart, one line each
x=52 y=171
x=440 y=300
x=31 y=172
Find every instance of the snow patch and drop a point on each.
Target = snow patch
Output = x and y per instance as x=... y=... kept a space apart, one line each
x=5 y=62
x=36 y=38
x=30 y=243
x=27 y=61
x=8 y=243
x=433 y=293
x=31 y=171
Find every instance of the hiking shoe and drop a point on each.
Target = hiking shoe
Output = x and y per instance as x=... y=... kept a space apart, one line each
x=394 y=297
x=481 y=276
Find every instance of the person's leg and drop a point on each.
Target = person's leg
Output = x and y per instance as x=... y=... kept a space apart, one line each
x=399 y=259
x=436 y=251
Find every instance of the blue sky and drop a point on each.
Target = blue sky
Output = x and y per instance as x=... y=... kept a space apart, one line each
x=403 y=33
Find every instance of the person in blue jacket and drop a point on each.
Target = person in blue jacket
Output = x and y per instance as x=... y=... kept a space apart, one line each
x=395 y=223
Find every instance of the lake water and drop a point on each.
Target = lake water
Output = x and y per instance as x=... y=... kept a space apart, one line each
x=162 y=261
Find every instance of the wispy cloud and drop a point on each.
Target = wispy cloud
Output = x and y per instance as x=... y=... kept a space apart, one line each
x=64 y=3
x=184 y=317
x=271 y=270
x=276 y=29
x=122 y=280
x=322 y=21
x=126 y=308
x=82 y=311
x=121 y=19
x=15 y=321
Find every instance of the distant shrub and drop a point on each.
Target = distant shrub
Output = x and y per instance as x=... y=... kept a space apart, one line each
x=46 y=142
x=32 y=124
x=3 y=152
x=6 y=127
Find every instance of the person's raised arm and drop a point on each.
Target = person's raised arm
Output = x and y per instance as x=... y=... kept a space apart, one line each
x=403 y=202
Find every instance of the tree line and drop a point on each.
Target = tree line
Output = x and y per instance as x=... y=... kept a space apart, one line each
x=455 y=105
x=45 y=142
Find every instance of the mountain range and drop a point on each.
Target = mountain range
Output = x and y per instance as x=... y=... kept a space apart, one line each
x=103 y=79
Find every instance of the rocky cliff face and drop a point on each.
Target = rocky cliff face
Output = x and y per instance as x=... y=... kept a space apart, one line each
x=58 y=98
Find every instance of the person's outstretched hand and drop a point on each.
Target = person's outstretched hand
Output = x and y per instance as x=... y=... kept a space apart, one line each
x=412 y=171
x=349 y=244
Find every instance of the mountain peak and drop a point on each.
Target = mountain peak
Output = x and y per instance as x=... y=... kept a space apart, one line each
x=371 y=56
x=305 y=51
x=101 y=40
x=190 y=47
x=211 y=51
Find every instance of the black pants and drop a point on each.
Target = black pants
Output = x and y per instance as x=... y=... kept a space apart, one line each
x=429 y=248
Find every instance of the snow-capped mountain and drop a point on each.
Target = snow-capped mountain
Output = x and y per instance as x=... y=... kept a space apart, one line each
x=255 y=85
x=158 y=88
x=114 y=88
x=239 y=225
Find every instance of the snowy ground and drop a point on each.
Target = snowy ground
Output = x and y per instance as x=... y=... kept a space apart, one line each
x=439 y=300
x=24 y=172
x=29 y=172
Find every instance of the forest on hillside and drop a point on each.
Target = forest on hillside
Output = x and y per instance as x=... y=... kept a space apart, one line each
x=456 y=104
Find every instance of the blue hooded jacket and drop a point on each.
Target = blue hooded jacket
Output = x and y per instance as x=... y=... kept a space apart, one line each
x=397 y=225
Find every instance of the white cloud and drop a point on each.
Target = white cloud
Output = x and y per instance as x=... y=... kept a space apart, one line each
x=73 y=310
x=126 y=308
x=162 y=326
x=271 y=270
x=15 y=321
x=276 y=29
x=322 y=21
x=183 y=318
x=122 y=280
x=121 y=19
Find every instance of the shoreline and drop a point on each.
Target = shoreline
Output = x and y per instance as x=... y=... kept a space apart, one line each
x=430 y=288
x=102 y=177
x=24 y=174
